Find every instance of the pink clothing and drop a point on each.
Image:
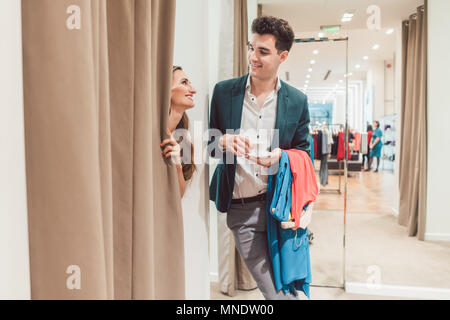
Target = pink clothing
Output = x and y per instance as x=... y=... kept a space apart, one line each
x=357 y=144
x=304 y=184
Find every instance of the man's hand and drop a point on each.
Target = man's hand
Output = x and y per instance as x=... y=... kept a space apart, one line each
x=236 y=144
x=267 y=161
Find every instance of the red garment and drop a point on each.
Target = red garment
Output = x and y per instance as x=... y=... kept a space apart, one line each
x=369 y=138
x=341 y=151
x=315 y=137
x=304 y=187
x=357 y=144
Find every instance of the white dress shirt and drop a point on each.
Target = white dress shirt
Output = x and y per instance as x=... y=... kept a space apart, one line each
x=258 y=124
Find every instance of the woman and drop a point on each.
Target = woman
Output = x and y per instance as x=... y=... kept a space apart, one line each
x=369 y=139
x=182 y=99
x=375 y=145
x=190 y=178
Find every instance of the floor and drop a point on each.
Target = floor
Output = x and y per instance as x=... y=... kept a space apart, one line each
x=317 y=293
x=378 y=249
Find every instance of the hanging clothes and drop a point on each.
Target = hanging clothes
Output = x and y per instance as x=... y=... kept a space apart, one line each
x=304 y=184
x=325 y=145
x=364 y=144
x=315 y=137
x=357 y=144
x=288 y=249
x=319 y=144
x=334 y=146
x=324 y=160
x=341 y=149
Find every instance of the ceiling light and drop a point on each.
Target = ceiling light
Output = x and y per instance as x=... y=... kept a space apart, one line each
x=340 y=81
x=315 y=51
x=347 y=16
x=312 y=61
x=389 y=31
x=376 y=47
x=307 y=81
x=308 y=76
x=321 y=35
x=357 y=66
x=366 y=58
x=310 y=69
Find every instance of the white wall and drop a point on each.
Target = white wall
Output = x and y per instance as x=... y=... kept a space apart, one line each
x=191 y=52
x=376 y=79
x=14 y=255
x=438 y=177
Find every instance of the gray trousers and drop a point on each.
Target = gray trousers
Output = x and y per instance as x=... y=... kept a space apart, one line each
x=324 y=170
x=248 y=224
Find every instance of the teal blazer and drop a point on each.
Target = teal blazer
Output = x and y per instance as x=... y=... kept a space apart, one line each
x=292 y=121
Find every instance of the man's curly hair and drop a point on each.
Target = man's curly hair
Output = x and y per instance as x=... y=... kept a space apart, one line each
x=277 y=27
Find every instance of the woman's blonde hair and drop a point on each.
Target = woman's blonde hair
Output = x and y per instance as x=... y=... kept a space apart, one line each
x=189 y=168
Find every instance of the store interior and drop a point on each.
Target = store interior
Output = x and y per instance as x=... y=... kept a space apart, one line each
x=359 y=249
x=90 y=209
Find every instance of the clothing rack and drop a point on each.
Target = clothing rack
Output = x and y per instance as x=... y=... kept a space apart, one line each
x=334 y=128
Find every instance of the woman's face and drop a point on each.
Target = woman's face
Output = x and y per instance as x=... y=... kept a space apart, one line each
x=375 y=125
x=182 y=90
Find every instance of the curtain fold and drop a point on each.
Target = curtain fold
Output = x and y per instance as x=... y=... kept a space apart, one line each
x=96 y=101
x=414 y=120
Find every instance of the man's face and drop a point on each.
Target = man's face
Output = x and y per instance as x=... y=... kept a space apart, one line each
x=263 y=57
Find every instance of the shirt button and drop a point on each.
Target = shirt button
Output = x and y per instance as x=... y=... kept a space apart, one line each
x=260 y=117
x=256 y=174
x=257 y=137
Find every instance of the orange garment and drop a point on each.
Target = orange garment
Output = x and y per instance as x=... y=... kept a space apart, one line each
x=357 y=144
x=304 y=187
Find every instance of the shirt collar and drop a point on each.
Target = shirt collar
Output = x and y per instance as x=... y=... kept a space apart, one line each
x=277 y=87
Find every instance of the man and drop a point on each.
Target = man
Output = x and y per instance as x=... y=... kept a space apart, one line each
x=259 y=102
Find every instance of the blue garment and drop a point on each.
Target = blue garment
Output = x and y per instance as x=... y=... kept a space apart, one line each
x=376 y=151
x=311 y=149
x=288 y=249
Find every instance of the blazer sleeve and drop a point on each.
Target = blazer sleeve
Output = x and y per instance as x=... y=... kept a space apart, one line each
x=215 y=131
x=301 y=139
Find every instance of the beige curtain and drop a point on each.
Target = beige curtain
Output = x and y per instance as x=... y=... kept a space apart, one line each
x=103 y=206
x=233 y=273
x=413 y=165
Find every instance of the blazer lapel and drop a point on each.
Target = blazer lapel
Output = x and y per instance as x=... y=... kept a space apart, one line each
x=237 y=102
x=282 y=115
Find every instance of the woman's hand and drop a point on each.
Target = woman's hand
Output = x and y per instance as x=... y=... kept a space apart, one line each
x=171 y=149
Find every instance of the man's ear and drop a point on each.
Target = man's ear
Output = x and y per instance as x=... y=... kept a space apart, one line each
x=284 y=55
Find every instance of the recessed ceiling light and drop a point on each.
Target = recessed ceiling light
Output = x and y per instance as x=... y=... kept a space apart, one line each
x=347 y=16
x=310 y=70
x=307 y=81
x=366 y=58
x=340 y=81
x=357 y=66
x=316 y=52
x=390 y=31
x=312 y=61
x=376 y=47
x=308 y=76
